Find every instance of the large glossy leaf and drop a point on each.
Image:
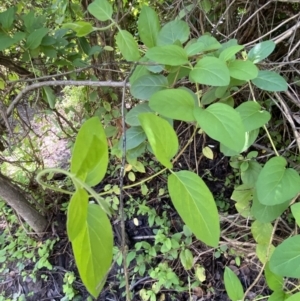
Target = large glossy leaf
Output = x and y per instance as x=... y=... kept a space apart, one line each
x=233 y=285
x=261 y=51
x=77 y=213
x=161 y=136
x=35 y=38
x=173 y=31
x=148 y=26
x=210 y=71
x=266 y=214
x=172 y=55
x=146 y=85
x=285 y=260
x=277 y=184
x=270 y=81
x=252 y=115
x=196 y=206
x=223 y=124
x=131 y=117
x=242 y=70
x=128 y=45
x=90 y=154
x=101 y=10
x=173 y=103
x=93 y=250
x=134 y=137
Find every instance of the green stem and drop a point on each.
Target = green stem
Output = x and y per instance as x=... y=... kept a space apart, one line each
x=106 y=27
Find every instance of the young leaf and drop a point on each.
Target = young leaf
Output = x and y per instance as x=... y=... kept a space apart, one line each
x=49 y=95
x=101 y=10
x=270 y=81
x=261 y=232
x=187 y=259
x=296 y=212
x=80 y=27
x=267 y=214
x=148 y=26
x=90 y=154
x=173 y=103
x=172 y=55
x=233 y=285
x=229 y=53
x=275 y=282
x=77 y=213
x=131 y=117
x=93 y=249
x=295 y=297
x=223 y=124
x=285 y=260
x=161 y=136
x=173 y=31
x=147 y=85
x=264 y=252
x=210 y=71
x=195 y=205
x=134 y=137
x=35 y=38
x=261 y=51
x=242 y=70
x=128 y=45
x=252 y=115
x=277 y=184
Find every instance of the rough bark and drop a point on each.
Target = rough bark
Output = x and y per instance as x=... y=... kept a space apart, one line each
x=13 y=196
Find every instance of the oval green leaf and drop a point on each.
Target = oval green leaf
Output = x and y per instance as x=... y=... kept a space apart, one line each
x=295 y=297
x=270 y=81
x=128 y=45
x=195 y=205
x=210 y=71
x=101 y=10
x=161 y=136
x=261 y=51
x=296 y=212
x=252 y=115
x=223 y=124
x=148 y=26
x=177 y=104
x=285 y=260
x=131 y=117
x=233 y=285
x=172 y=55
x=35 y=38
x=134 y=137
x=242 y=70
x=146 y=85
x=277 y=184
x=261 y=232
x=275 y=282
x=229 y=53
x=93 y=249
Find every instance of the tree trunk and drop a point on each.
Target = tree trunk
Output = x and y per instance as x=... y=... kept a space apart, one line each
x=13 y=196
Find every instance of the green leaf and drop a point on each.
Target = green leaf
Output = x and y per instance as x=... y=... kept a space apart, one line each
x=270 y=81
x=77 y=213
x=173 y=103
x=90 y=154
x=295 y=297
x=243 y=194
x=223 y=124
x=173 y=31
x=278 y=296
x=101 y=10
x=275 y=282
x=195 y=205
x=161 y=136
x=172 y=55
x=285 y=260
x=139 y=71
x=148 y=26
x=252 y=115
x=128 y=45
x=264 y=252
x=49 y=96
x=261 y=51
x=266 y=214
x=187 y=259
x=242 y=70
x=131 y=117
x=93 y=248
x=146 y=85
x=7 y=18
x=296 y=212
x=261 y=232
x=233 y=285
x=5 y=41
x=204 y=43
x=250 y=176
x=35 y=38
x=81 y=28
x=134 y=137
x=230 y=52
x=210 y=71
x=277 y=184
